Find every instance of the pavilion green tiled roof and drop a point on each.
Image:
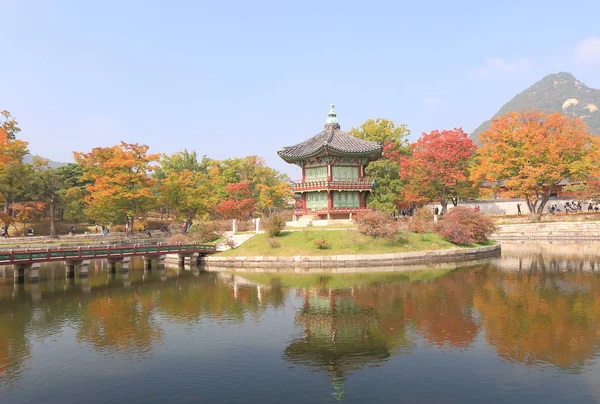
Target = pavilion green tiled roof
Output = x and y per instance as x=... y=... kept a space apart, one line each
x=334 y=140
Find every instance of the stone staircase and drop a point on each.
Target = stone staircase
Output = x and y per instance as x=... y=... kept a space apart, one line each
x=304 y=221
x=548 y=231
x=238 y=239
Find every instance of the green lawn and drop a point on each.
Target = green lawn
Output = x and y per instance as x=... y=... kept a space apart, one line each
x=343 y=280
x=341 y=242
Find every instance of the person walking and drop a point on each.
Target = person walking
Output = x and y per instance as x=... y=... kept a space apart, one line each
x=519 y=209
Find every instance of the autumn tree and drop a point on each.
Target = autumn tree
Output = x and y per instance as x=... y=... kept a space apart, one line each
x=385 y=171
x=274 y=197
x=530 y=153
x=9 y=126
x=75 y=191
x=120 y=182
x=12 y=168
x=250 y=169
x=239 y=202
x=438 y=168
x=45 y=186
x=187 y=185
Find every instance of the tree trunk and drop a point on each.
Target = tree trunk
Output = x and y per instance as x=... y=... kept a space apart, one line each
x=536 y=211
x=52 y=218
x=444 y=203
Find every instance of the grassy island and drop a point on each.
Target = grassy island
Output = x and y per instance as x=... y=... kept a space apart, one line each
x=340 y=242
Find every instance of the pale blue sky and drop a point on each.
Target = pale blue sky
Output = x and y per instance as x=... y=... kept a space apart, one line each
x=233 y=78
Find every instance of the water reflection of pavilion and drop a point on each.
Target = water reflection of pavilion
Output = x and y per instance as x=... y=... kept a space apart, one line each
x=339 y=336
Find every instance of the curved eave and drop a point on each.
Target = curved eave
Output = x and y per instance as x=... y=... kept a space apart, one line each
x=372 y=155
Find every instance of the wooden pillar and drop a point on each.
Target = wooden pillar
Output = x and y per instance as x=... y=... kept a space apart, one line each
x=361 y=200
x=329 y=204
x=329 y=176
x=303 y=174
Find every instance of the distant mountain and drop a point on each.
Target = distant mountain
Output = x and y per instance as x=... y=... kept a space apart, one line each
x=557 y=92
x=28 y=159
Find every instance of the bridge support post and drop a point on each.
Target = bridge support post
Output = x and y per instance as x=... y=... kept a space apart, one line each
x=112 y=263
x=112 y=266
x=72 y=266
x=32 y=269
x=125 y=264
x=160 y=261
x=70 y=269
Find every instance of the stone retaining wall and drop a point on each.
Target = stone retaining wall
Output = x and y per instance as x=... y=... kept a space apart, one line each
x=548 y=231
x=347 y=263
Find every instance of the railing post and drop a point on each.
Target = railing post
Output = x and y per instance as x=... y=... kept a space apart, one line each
x=79 y=251
x=134 y=249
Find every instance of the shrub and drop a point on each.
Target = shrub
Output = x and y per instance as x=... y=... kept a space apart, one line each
x=322 y=244
x=205 y=232
x=273 y=242
x=178 y=238
x=274 y=224
x=422 y=221
x=464 y=226
x=155 y=224
x=116 y=228
x=307 y=235
x=376 y=224
x=229 y=243
x=244 y=225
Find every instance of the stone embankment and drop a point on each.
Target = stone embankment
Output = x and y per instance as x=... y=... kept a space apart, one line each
x=348 y=263
x=548 y=231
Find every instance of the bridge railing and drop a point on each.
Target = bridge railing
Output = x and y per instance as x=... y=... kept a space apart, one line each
x=60 y=254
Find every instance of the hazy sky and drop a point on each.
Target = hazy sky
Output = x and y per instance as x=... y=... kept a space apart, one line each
x=233 y=78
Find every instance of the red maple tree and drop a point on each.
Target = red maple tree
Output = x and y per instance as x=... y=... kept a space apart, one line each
x=239 y=203
x=437 y=168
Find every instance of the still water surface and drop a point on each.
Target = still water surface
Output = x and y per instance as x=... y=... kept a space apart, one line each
x=523 y=328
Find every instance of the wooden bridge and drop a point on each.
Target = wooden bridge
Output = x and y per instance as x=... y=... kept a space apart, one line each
x=30 y=259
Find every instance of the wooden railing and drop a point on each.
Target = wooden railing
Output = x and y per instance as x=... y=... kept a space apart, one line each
x=362 y=185
x=83 y=253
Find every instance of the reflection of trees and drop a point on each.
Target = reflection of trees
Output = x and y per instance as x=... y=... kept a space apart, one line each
x=442 y=311
x=542 y=317
x=216 y=298
x=120 y=324
x=14 y=346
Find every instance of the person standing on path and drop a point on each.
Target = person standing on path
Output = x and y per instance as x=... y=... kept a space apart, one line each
x=519 y=209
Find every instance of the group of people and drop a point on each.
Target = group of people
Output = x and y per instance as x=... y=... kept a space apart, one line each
x=572 y=206
x=105 y=230
x=4 y=231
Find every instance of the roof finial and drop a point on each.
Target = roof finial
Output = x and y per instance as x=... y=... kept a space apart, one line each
x=332 y=116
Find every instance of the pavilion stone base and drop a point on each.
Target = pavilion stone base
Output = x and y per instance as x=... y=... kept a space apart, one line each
x=319 y=223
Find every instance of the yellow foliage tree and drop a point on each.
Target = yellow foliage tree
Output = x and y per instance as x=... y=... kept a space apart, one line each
x=121 y=186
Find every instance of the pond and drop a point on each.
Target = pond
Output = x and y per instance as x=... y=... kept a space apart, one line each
x=522 y=328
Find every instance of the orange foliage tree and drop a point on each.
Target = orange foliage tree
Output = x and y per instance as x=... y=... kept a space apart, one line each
x=120 y=183
x=11 y=160
x=438 y=168
x=530 y=153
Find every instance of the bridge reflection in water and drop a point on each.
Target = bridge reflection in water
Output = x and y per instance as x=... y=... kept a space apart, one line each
x=536 y=308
